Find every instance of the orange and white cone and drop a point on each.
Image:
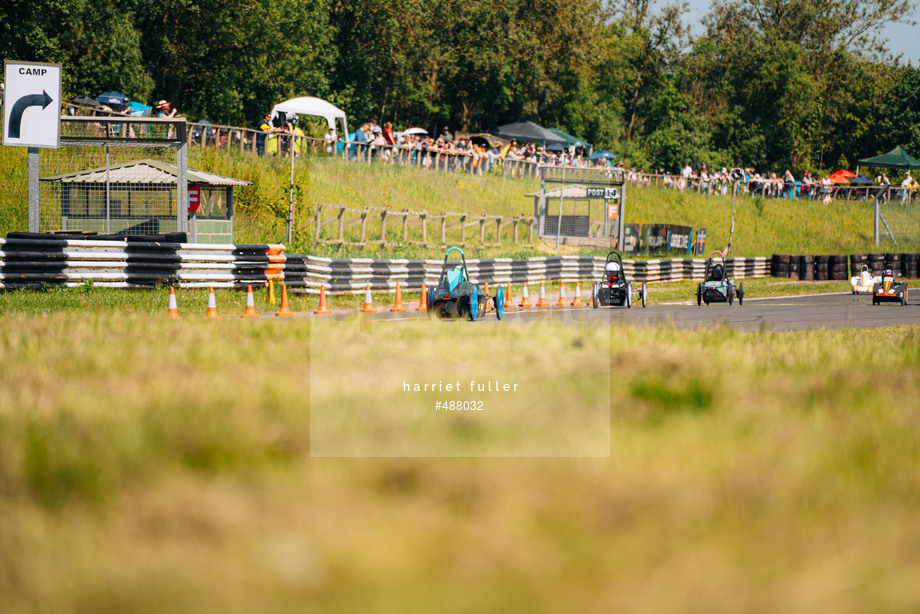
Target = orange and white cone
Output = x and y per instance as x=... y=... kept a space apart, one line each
x=368 y=302
x=173 y=307
x=322 y=309
x=397 y=304
x=250 y=305
x=284 y=311
x=525 y=302
x=423 y=301
x=509 y=302
x=542 y=302
x=561 y=301
x=212 y=305
x=576 y=302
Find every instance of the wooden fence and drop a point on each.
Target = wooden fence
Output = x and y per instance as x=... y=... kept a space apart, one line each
x=385 y=227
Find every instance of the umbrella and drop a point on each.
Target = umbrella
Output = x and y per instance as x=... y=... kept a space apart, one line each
x=602 y=154
x=835 y=178
x=528 y=132
x=85 y=101
x=843 y=173
x=416 y=131
x=116 y=100
x=861 y=180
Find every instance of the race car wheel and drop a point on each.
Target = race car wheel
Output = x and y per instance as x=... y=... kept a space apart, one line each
x=594 y=289
x=500 y=303
x=474 y=303
x=731 y=294
x=699 y=295
x=628 y=299
x=644 y=295
x=741 y=294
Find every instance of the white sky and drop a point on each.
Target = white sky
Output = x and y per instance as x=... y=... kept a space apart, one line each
x=901 y=38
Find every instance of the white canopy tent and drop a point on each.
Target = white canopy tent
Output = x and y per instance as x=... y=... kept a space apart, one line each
x=308 y=105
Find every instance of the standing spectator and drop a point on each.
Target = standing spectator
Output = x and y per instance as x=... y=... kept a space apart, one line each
x=329 y=140
x=685 y=177
x=789 y=184
x=906 y=186
x=362 y=138
x=446 y=135
x=267 y=134
x=163 y=109
x=704 y=180
x=388 y=135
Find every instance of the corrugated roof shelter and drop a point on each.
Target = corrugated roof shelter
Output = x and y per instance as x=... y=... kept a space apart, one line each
x=140 y=196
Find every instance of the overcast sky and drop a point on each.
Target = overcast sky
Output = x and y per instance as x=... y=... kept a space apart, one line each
x=901 y=39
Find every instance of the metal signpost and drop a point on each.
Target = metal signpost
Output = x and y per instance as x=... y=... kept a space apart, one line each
x=31 y=116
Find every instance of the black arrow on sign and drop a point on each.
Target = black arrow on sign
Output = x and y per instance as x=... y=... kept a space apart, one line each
x=32 y=100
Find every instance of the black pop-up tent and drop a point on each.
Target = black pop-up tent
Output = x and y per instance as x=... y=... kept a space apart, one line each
x=896 y=158
x=529 y=132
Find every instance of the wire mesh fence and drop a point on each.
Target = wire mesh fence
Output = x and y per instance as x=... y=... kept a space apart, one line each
x=902 y=220
x=112 y=176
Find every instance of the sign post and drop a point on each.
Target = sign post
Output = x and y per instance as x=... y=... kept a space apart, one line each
x=32 y=117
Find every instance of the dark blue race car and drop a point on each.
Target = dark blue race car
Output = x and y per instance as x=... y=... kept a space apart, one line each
x=717 y=287
x=457 y=297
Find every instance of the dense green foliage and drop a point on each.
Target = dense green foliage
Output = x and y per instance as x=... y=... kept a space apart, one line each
x=770 y=83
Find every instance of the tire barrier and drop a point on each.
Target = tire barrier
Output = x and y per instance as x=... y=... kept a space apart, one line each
x=836 y=268
x=352 y=276
x=32 y=260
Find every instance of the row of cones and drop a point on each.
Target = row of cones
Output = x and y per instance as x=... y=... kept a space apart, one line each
x=284 y=311
x=398 y=307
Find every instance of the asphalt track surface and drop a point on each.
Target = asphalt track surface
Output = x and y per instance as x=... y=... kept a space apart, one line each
x=811 y=312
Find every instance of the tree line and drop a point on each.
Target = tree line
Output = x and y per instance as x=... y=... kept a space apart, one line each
x=769 y=84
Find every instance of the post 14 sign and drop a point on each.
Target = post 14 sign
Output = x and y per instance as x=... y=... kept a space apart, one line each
x=32 y=104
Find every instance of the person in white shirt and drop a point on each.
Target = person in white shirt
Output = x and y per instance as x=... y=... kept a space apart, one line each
x=685 y=176
x=329 y=140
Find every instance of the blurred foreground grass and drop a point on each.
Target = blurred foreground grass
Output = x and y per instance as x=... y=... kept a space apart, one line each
x=148 y=465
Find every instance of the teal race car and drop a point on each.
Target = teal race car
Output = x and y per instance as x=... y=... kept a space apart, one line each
x=456 y=296
x=717 y=287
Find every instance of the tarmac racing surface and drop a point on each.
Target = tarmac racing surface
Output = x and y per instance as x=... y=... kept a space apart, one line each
x=808 y=312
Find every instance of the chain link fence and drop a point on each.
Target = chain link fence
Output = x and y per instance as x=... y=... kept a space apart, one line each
x=113 y=176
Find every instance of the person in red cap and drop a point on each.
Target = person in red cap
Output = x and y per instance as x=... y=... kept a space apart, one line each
x=164 y=110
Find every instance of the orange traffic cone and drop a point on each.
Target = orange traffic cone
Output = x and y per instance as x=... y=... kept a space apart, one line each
x=212 y=305
x=525 y=302
x=322 y=310
x=576 y=302
x=250 y=305
x=542 y=302
x=173 y=308
x=423 y=301
x=368 y=302
x=561 y=301
x=509 y=302
x=284 y=311
x=397 y=305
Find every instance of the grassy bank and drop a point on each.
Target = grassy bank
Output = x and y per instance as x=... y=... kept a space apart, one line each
x=149 y=465
x=762 y=226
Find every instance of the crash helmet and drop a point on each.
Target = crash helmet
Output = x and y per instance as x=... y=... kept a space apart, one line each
x=888 y=272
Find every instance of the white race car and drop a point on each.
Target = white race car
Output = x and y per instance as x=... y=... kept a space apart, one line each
x=864 y=283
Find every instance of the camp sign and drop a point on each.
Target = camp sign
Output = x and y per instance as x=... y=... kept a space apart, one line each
x=31 y=104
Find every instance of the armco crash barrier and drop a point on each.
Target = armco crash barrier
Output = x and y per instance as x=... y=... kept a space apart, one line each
x=32 y=260
x=352 y=276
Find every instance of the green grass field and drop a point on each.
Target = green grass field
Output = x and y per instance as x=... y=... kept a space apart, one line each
x=148 y=465
x=763 y=226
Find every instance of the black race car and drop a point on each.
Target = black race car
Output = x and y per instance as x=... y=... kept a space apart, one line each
x=456 y=297
x=889 y=290
x=614 y=289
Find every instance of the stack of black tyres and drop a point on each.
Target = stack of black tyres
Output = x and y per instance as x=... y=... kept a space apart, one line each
x=837 y=268
x=857 y=262
x=876 y=263
x=909 y=265
x=821 y=268
x=779 y=265
x=794 y=267
x=893 y=262
x=806 y=268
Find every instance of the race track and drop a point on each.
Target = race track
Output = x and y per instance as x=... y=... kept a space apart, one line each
x=813 y=312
